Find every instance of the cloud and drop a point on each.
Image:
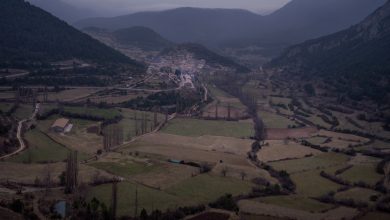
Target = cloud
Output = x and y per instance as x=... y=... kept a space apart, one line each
x=112 y=7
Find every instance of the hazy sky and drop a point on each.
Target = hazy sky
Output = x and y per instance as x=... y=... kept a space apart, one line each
x=126 y=6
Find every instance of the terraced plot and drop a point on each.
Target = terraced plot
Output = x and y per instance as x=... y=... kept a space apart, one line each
x=296 y=202
x=320 y=162
x=272 y=120
x=358 y=195
x=41 y=149
x=365 y=173
x=196 y=128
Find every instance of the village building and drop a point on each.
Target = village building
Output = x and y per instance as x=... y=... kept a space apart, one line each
x=62 y=125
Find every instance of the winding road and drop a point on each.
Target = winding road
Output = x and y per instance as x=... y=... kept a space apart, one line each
x=22 y=145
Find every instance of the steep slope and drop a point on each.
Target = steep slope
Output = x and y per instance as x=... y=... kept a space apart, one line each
x=357 y=57
x=138 y=37
x=29 y=34
x=300 y=20
x=200 y=52
x=63 y=10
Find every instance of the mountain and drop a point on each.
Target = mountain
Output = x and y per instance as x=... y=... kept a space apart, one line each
x=301 y=20
x=63 y=10
x=357 y=59
x=200 y=52
x=206 y=26
x=29 y=34
x=138 y=37
x=297 y=21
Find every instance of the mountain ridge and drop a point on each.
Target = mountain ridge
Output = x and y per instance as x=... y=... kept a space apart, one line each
x=357 y=56
x=30 y=34
x=293 y=23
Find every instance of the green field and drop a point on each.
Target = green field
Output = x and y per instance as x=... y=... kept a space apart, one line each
x=128 y=121
x=199 y=189
x=320 y=162
x=296 y=202
x=148 y=198
x=357 y=194
x=197 y=128
x=41 y=149
x=318 y=121
x=124 y=168
x=375 y=216
x=312 y=184
x=98 y=112
x=272 y=120
x=280 y=100
x=316 y=140
x=4 y=107
x=216 y=92
x=206 y=188
x=23 y=112
x=366 y=173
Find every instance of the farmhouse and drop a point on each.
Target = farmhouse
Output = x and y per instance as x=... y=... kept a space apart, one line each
x=61 y=125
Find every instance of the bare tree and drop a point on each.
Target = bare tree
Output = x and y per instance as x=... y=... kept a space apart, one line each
x=243 y=175
x=47 y=177
x=71 y=177
x=136 y=202
x=114 y=199
x=229 y=109
x=136 y=123
x=224 y=171
x=216 y=111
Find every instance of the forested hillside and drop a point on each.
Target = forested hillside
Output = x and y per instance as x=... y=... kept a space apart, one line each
x=30 y=35
x=356 y=59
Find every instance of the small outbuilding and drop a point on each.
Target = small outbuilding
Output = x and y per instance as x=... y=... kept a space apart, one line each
x=60 y=125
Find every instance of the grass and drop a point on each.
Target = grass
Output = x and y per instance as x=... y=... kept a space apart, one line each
x=366 y=173
x=41 y=149
x=148 y=198
x=357 y=194
x=312 y=184
x=296 y=202
x=124 y=169
x=319 y=162
x=318 y=121
x=206 y=188
x=316 y=140
x=377 y=145
x=197 y=128
x=128 y=121
x=272 y=120
x=216 y=92
x=23 y=112
x=281 y=100
x=376 y=216
x=98 y=112
x=5 y=107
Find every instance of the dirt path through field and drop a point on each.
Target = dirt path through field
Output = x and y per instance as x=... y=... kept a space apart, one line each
x=22 y=145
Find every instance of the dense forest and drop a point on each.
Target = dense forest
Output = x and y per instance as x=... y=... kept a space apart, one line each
x=30 y=35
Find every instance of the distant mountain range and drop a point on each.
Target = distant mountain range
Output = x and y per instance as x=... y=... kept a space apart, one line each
x=357 y=59
x=138 y=37
x=29 y=34
x=63 y=10
x=297 y=21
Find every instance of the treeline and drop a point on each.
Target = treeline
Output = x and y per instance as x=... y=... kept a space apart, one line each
x=170 y=101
